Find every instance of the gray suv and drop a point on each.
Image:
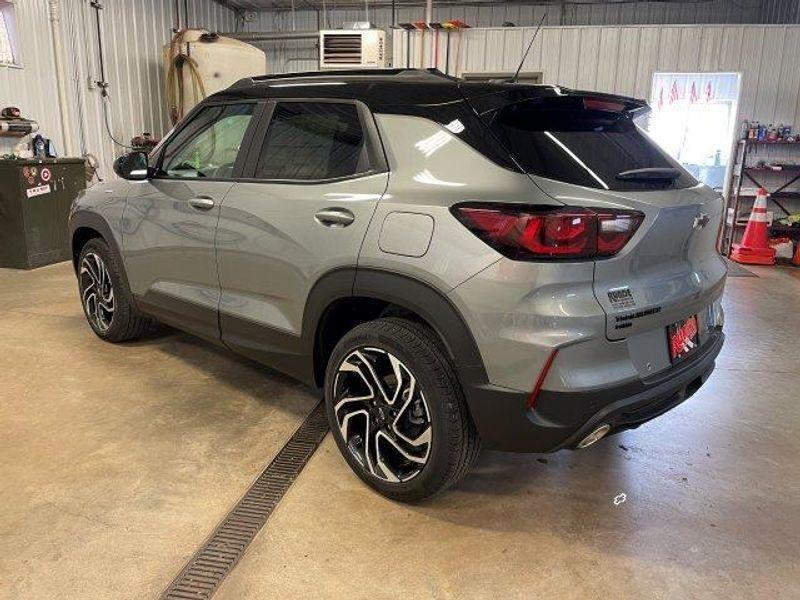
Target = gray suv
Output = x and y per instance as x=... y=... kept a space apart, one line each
x=457 y=264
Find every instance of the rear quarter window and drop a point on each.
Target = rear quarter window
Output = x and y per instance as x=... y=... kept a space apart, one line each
x=560 y=139
x=308 y=141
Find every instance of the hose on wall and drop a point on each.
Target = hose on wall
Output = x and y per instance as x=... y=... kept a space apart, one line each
x=176 y=83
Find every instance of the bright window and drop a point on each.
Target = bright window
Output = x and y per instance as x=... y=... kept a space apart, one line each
x=694 y=119
x=9 y=51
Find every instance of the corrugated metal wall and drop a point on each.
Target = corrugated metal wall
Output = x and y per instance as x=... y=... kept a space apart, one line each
x=710 y=11
x=134 y=32
x=566 y=13
x=285 y=56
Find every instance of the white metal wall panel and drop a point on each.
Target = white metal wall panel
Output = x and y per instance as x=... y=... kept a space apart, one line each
x=609 y=59
x=30 y=88
x=646 y=55
x=588 y=58
x=711 y=11
x=787 y=107
x=749 y=65
x=710 y=47
x=769 y=71
x=627 y=61
x=514 y=42
x=569 y=50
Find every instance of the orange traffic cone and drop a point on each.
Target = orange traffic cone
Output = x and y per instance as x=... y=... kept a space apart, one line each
x=755 y=249
x=796 y=257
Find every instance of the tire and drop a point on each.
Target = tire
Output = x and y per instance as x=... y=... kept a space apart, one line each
x=105 y=296
x=421 y=443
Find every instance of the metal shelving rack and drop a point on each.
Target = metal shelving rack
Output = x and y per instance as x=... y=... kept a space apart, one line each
x=742 y=173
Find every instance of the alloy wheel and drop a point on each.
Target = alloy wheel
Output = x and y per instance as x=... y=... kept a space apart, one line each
x=382 y=414
x=97 y=292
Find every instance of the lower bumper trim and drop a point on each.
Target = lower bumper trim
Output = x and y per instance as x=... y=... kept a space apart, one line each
x=561 y=419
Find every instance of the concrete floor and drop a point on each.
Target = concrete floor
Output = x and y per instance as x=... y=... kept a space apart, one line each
x=117 y=461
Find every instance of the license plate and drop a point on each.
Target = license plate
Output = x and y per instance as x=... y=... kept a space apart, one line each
x=682 y=337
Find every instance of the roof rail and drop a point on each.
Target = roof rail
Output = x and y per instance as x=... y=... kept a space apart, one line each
x=402 y=72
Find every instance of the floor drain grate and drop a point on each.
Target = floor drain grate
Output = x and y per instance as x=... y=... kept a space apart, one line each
x=206 y=570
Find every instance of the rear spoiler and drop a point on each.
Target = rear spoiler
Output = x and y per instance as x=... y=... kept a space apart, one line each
x=485 y=99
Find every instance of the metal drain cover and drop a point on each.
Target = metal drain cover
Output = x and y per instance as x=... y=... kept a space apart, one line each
x=206 y=570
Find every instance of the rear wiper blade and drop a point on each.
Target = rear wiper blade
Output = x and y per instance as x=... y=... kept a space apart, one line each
x=650 y=174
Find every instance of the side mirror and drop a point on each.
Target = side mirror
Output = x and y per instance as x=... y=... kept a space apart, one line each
x=132 y=166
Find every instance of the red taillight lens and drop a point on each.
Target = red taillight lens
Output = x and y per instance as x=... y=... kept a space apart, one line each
x=546 y=232
x=615 y=229
x=603 y=105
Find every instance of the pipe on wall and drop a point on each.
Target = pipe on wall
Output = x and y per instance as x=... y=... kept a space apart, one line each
x=269 y=36
x=61 y=76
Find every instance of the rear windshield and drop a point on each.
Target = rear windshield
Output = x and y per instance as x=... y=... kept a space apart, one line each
x=559 y=139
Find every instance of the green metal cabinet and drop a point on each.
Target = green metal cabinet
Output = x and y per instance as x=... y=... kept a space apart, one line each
x=35 y=197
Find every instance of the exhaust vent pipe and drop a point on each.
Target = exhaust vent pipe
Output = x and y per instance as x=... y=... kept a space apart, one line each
x=596 y=435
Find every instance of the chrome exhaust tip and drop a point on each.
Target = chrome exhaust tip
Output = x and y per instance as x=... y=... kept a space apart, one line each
x=596 y=435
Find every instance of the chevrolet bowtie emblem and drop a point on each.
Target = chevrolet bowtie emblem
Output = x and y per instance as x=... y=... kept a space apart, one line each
x=700 y=221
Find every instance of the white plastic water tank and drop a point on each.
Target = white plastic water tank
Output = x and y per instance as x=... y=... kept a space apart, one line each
x=216 y=61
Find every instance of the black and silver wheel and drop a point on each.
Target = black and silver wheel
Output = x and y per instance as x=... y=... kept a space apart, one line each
x=97 y=292
x=396 y=410
x=382 y=414
x=105 y=296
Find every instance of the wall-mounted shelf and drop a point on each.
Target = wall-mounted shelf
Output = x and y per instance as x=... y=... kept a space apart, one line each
x=783 y=169
x=770 y=143
x=742 y=173
x=774 y=195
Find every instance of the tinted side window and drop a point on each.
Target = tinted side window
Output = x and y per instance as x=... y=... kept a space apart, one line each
x=209 y=144
x=308 y=141
x=554 y=138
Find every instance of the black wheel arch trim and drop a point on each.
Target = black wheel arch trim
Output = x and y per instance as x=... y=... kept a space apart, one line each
x=405 y=291
x=430 y=304
x=82 y=219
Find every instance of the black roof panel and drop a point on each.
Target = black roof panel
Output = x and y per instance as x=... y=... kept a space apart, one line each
x=385 y=87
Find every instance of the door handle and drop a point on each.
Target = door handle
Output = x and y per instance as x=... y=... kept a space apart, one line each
x=335 y=217
x=202 y=203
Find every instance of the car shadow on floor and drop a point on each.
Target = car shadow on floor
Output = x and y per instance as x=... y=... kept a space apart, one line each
x=231 y=370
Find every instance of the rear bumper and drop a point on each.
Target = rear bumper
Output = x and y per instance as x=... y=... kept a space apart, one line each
x=562 y=419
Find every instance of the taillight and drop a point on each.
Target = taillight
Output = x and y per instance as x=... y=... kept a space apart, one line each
x=603 y=105
x=535 y=233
